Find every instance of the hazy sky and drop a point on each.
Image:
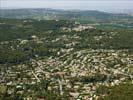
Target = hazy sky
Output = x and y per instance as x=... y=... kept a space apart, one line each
x=69 y=4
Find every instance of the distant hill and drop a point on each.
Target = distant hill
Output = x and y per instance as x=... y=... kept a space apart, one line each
x=50 y=14
x=129 y=12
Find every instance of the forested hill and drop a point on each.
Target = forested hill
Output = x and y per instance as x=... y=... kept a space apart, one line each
x=49 y=14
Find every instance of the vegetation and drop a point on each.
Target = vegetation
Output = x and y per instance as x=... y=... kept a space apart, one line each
x=121 y=92
x=65 y=59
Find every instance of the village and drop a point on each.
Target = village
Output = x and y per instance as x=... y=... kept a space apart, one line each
x=68 y=62
x=77 y=72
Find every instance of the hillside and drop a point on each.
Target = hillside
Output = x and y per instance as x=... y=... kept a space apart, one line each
x=63 y=60
x=50 y=14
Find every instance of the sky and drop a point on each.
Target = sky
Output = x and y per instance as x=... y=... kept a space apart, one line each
x=69 y=4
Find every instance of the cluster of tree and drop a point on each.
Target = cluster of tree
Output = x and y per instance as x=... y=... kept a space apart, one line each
x=90 y=79
x=22 y=53
x=121 y=40
x=121 y=92
x=20 y=29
